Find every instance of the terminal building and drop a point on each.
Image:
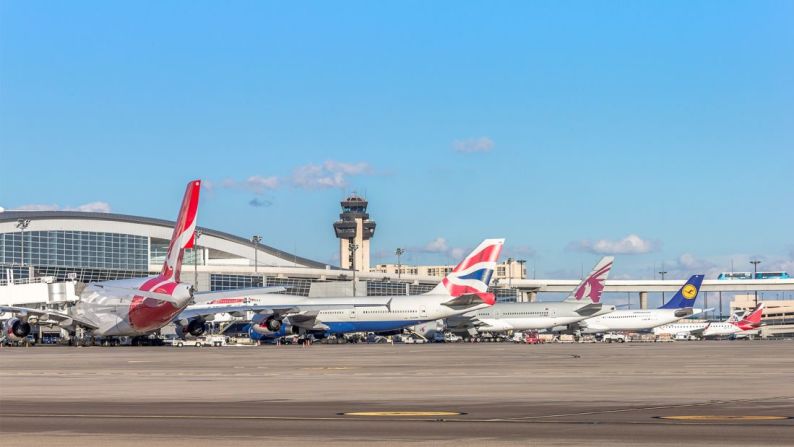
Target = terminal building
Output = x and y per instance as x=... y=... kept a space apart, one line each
x=86 y=247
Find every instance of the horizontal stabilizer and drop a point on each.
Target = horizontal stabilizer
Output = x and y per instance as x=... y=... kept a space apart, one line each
x=471 y=299
x=590 y=309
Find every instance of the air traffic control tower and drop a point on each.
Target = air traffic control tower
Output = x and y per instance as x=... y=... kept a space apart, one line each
x=354 y=230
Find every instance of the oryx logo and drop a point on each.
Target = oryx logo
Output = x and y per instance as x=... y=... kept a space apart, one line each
x=593 y=285
x=689 y=291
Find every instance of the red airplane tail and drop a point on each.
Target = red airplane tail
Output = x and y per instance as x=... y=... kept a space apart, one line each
x=184 y=232
x=753 y=320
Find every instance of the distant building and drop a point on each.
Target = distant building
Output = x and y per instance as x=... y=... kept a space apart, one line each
x=505 y=271
x=778 y=316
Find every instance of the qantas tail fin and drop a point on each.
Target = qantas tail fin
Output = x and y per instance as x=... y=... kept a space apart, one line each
x=184 y=232
x=473 y=275
x=753 y=320
x=686 y=295
x=592 y=287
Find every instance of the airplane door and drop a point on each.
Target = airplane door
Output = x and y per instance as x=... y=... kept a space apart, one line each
x=423 y=312
x=352 y=314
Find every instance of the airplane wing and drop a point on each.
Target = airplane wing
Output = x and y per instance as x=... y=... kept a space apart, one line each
x=48 y=317
x=282 y=307
x=203 y=297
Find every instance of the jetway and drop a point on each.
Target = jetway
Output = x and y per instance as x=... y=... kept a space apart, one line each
x=42 y=291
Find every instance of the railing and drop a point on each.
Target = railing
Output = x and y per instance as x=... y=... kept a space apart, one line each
x=21 y=281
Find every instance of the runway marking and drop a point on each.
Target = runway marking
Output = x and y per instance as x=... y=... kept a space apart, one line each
x=327 y=368
x=402 y=413
x=711 y=418
x=630 y=409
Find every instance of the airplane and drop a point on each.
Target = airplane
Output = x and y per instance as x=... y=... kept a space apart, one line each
x=584 y=302
x=681 y=305
x=729 y=327
x=140 y=306
x=462 y=290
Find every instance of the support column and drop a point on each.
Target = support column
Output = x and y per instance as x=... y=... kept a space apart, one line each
x=643 y=300
x=533 y=296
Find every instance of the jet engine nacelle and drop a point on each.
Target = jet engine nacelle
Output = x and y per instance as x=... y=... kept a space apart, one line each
x=16 y=329
x=195 y=327
x=283 y=329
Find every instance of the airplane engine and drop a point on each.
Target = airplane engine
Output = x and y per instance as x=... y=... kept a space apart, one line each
x=283 y=329
x=195 y=327
x=16 y=329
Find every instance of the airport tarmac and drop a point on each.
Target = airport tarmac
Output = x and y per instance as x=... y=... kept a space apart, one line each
x=684 y=393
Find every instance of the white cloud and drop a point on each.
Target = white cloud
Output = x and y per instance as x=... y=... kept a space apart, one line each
x=330 y=174
x=471 y=145
x=259 y=184
x=629 y=245
x=91 y=207
x=437 y=245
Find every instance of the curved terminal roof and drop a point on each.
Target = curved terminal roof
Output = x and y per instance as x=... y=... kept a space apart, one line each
x=153 y=228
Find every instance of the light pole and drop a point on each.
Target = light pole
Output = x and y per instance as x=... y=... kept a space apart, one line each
x=196 y=237
x=256 y=240
x=510 y=273
x=399 y=252
x=22 y=224
x=755 y=263
x=353 y=247
x=663 y=272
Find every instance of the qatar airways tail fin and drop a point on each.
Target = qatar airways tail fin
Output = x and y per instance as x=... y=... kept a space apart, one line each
x=592 y=287
x=753 y=320
x=472 y=276
x=686 y=295
x=184 y=232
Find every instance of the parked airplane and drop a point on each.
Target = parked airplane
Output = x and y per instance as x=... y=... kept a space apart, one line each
x=584 y=302
x=705 y=329
x=463 y=290
x=681 y=305
x=139 y=306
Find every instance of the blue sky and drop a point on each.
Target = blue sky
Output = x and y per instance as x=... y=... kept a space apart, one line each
x=659 y=131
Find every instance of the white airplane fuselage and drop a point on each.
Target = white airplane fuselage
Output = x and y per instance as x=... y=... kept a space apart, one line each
x=632 y=320
x=403 y=311
x=531 y=316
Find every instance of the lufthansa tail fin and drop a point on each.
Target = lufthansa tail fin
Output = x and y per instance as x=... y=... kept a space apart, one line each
x=686 y=295
x=592 y=287
x=473 y=275
x=184 y=232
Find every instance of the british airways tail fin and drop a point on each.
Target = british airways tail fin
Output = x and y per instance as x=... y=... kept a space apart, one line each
x=592 y=287
x=184 y=232
x=686 y=295
x=473 y=275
